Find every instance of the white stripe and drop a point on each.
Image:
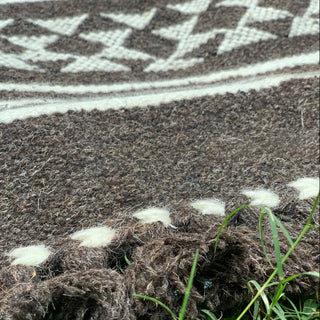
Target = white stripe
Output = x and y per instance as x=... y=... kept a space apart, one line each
x=24 y=1
x=259 y=68
x=152 y=99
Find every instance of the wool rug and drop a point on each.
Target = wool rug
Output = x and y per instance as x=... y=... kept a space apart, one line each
x=129 y=130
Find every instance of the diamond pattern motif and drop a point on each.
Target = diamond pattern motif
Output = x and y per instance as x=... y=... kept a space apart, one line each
x=113 y=41
x=4 y=23
x=191 y=7
x=137 y=21
x=34 y=51
x=187 y=43
x=66 y=25
x=38 y=49
x=307 y=23
x=244 y=35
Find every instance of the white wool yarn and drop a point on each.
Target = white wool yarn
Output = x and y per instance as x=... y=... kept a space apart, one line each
x=29 y=256
x=94 y=237
x=262 y=197
x=210 y=207
x=307 y=187
x=153 y=215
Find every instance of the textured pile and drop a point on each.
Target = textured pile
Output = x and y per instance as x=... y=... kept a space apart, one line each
x=108 y=108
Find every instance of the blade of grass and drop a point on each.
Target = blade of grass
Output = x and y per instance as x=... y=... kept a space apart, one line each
x=305 y=229
x=158 y=302
x=209 y=314
x=310 y=309
x=261 y=237
x=279 y=312
x=314 y=227
x=256 y=308
x=128 y=262
x=263 y=295
x=276 y=243
x=186 y=296
x=294 y=311
x=225 y=222
x=310 y=273
x=277 y=297
x=279 y=223
x=284 y=230
x=189 y=286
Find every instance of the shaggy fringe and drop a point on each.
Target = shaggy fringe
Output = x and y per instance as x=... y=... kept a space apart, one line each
x=150 y=259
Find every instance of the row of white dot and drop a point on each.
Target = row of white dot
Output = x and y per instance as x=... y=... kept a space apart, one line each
x=102 y=236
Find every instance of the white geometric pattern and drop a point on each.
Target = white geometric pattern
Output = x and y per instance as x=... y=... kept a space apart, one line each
x=34 y=51
x=137 y=21
x=4 y=23
x=178 y=32
x=191 y=7
x=117 y=50
x=35 y=44
x=113 y=42
x=25 y=1
x=93 y=63
x=252 y=70
x=233 y=38
x=14 y=62
x=110 y=39
x=66 y=25
x=259 y=14
x=186 y=39
x=306 y=24
x=187 y=43
x=244 y=35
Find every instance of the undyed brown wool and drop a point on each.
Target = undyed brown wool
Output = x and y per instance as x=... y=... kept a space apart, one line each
x=61 y=173
x=129 y=166
x=81 y=283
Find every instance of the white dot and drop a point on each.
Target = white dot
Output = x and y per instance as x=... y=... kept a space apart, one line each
x=94 y=237
x=307 y=187
x=210 y=206
x=153 y=215
x=29 y=256
x=262 y=197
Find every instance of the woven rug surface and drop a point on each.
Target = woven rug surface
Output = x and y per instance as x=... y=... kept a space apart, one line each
x=129 y=130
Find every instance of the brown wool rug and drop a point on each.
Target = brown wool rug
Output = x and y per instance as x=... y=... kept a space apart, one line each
x=117 y=112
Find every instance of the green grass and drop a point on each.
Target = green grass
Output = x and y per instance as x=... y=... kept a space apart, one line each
x=186 y=296
x=263 y=306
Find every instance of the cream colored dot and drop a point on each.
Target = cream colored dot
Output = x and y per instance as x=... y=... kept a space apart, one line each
x=210 y=206
x=307 y=187
x=153 y=215
x=94 y=237
x=262 y=197
x=29 y=256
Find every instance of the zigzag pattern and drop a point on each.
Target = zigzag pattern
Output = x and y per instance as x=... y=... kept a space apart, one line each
x=36 y=49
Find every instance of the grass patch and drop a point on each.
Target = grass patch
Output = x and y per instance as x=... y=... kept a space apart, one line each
x=263 y=306
x=186 y=296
